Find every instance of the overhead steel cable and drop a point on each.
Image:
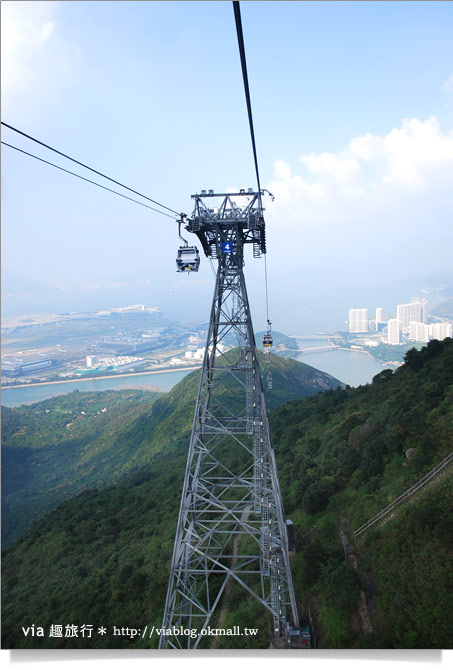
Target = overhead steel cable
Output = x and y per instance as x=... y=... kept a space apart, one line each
x=87 y=167
x=237 y=16
x=240 y=35
x=265 y=284
x=85 y=179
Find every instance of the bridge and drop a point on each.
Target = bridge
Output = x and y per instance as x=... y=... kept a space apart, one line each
x=317 y=350
x=310 y=338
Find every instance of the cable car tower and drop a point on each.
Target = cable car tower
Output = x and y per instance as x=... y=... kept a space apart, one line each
x=231 y=523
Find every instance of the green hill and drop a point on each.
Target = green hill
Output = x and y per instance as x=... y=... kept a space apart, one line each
x=103 y=557
x=54 y=449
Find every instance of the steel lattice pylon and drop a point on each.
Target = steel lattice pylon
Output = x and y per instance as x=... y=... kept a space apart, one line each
x=231 y=522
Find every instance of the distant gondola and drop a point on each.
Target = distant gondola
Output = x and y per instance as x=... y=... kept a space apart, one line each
x=267 y=341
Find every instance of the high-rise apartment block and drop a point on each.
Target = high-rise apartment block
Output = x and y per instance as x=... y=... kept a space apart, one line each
x=379 y=315
x=393 y=331
x=421 y=332
x=424 y=303
x=439 y=331
x=412 y=311
x=358 y=320
x=418 y=332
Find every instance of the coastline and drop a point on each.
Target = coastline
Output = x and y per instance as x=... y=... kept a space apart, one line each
x=83 y=379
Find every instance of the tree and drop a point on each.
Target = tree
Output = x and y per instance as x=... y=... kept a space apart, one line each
x=316 y=497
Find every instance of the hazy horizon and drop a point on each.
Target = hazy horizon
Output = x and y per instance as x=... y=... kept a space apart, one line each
x=319 y=307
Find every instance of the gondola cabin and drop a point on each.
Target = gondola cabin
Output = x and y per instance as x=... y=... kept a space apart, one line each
x=267 y=341
x=188 y=259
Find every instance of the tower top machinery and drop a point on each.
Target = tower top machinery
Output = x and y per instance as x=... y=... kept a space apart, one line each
x=214 y=225
x=231 y=531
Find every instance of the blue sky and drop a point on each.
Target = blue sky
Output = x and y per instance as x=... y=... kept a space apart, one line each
x=352 y=105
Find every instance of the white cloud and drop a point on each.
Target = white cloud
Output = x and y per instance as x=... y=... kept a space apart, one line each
x=414 y=147
x=27 y=28
x=408 y=157
x=367 y=146
x=376 y=197
x=329 y=165
x=285 y=185
x=37 y=63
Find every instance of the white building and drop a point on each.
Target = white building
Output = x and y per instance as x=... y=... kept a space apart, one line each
x=371 y=343
x=379 y=315
x=424 y=304
x=393 y=331
x=92 y=361
x=123 y=362
x=418 y=331
x=412 y=311
x=439 y=331
x=358 y=320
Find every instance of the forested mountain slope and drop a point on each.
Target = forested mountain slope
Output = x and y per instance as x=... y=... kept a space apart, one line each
x=103 y=557
x=343 y=456
x=54 y=449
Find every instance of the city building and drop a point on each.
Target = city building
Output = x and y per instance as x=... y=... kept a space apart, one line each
x=11 y=369
x=17 y=370
x=418 y=331
x=122 y=362
x=199 y=353
x=424 y=304
x=371 y=343
x=378 y=323
x=412 y=311
x=439 y=331
x=92 y=361
x=358 y=320
x=393 y=331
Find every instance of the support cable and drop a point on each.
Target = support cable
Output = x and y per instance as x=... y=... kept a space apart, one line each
x=265 y=283
x=212 y=268
x=237 y=16
x=33 y=139
x=85 y=179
